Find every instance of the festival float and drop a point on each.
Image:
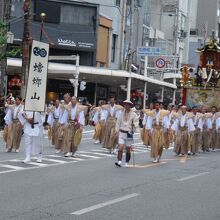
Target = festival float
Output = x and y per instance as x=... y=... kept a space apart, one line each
x=203 y=89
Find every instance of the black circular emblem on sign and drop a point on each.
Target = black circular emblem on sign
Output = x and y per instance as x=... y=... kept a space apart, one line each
x=43 y=53
x=36 y=51
x=39 y=52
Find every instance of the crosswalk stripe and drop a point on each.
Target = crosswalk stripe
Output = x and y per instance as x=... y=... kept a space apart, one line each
x=77 y=159
x=12 y=167
x=56 y=161
x=84 y=154
x=71 y=158
x=86 y=132
x=138 y=150
x=103 y=154
x=86 y=139
x=55 y=156
x=38 y=164
x=141 y=148
x=32 y=163
x=100 y=150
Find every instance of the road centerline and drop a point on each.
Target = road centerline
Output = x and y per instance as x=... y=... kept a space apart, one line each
x=192 y=176
x=104 y=204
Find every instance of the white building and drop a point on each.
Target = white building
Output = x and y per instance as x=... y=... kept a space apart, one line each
x=204 y=20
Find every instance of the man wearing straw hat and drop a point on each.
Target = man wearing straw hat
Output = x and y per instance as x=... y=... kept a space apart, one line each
x=125 y=126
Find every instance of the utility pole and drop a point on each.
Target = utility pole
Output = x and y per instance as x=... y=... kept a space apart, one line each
x=25 y=46
x=122 y=39
x=176 y=48
x=130 y=51
x=187 y=26
x=5 y=9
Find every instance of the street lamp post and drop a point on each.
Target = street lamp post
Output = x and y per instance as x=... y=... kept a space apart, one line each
x=42 y=17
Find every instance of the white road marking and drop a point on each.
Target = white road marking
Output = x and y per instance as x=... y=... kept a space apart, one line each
x=86 y=139
x=192 y=176
x=141 y=143
x=102 y=154
x=12 y=167
x=86 y=132
x=38 y=164
x=84 y=154
x=7 y=171
x=104 y=204
x=101 y=150
x=56 y=161
x=32 y=163
x=37 y=167
x=139 y=150
x=55 y=156
x=75 y=158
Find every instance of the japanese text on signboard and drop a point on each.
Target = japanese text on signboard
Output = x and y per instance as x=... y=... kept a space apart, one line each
x=37 y=79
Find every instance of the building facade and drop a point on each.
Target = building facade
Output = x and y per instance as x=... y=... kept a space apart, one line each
x=205 y=19
x=99 y=32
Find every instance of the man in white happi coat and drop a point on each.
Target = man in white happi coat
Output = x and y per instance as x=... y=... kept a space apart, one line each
x=14 y=125
x=109 y=115
x=205 y=126
x=33 y=130
x=168 y=135
x=144 y=134
x=218 y=130
x=213 y=136
x=157 y=125
x=195 y=137
x=99 y=126
x=125 y=127
x=54 y=119
x=73 y=119
x=182 y=127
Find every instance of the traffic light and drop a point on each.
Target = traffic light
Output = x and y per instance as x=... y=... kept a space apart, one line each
x=82 y=85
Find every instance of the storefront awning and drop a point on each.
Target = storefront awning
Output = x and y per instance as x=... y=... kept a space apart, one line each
x=57 y=70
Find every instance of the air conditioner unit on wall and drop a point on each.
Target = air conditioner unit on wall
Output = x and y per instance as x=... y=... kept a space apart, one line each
x=193 y=32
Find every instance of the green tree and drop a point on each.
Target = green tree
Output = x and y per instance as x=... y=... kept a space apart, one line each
x=3 y=42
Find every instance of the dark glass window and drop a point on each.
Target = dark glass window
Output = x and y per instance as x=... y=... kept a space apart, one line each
x=117 y=2
x=114 y=41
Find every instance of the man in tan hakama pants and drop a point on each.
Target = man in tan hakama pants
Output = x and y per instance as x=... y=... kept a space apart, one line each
x=55 y=114
x=109 y=115
x=157 y=125
x=14 y=126
x=183 y=126
x=73 y=119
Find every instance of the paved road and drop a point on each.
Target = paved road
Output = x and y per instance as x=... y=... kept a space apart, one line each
x=93 y=188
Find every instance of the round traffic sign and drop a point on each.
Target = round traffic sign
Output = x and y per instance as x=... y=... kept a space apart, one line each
x=160 y=63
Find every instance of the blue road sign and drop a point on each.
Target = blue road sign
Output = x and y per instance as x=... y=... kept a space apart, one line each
x=148 y=51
